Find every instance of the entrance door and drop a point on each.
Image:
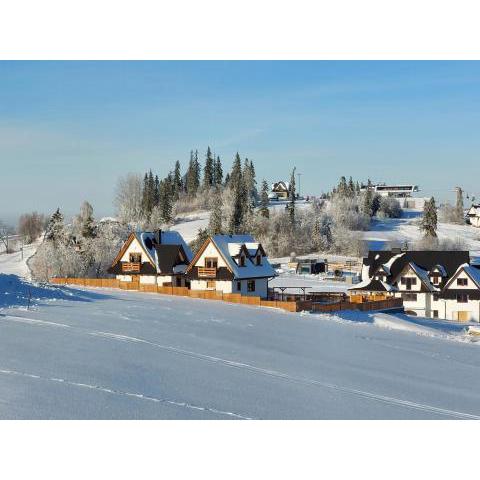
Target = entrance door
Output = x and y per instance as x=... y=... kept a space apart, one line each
x=463 y=316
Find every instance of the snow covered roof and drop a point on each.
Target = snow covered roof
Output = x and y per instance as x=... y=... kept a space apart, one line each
x=230 y=246
x=470 y=270
x=165 y=254
x=283 y=186
x=423 y=275
x=441 y=269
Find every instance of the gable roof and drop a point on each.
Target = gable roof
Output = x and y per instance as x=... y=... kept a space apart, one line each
x=471 y=271
x=165 y=256
x=426 y=260
x=230 y=247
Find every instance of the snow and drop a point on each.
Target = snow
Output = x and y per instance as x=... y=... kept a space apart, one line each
x=188 y=225
x=396 y=231
x=100 y=354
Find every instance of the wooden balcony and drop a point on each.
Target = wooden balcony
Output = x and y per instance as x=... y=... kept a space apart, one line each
x=207 y=272
x=131 y=267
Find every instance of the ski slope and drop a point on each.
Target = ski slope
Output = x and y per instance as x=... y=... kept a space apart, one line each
x=101 y=354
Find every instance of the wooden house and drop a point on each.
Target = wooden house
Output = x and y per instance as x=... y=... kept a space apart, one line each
x=159 y=257
x=231 y=264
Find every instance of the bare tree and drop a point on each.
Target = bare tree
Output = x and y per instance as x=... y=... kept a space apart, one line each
x=30 y=226
x=6 y=233
x=128 y=199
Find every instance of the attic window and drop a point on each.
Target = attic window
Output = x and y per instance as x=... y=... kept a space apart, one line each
x=462 y=282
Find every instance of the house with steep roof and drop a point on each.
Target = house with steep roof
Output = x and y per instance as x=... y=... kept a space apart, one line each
x=435 y=284
x=280 y=190
x=473 y=215
x=159 y=257
x=231 y=264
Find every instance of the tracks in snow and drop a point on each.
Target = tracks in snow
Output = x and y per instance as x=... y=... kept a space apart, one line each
x=392 y=401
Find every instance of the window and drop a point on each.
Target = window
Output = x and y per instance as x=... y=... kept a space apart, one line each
x=436 y=297
x=409 y=297
x=251 y=285
x=413 y=281
x=239 y=286
x=211 y=284
x=435 y=313
x=462 y=298
x=259 y=259
x=135 y=258
x=462 y=282
x=211 y=262
x=242 y=260
x=179 y=282
x=435 y=278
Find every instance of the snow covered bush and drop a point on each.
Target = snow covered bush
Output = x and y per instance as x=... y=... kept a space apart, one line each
x=389 y=208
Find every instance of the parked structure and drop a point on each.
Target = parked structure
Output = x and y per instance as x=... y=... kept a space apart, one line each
x=153 y=258
x=231 y=264
x=435 y=284
x=473 y=215
x=397 y=190
x=279 y=191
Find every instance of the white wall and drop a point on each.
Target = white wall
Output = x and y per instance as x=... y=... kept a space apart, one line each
x=134 y=247
x=261 y=287
x=124 y=278
x=452 y=306
x=224 y=286
x=210 y=251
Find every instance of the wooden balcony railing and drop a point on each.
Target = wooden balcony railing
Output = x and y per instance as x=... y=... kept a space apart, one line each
x=207 y=272
x=130 y=267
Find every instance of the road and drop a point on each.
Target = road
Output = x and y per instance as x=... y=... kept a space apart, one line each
x=101 y=354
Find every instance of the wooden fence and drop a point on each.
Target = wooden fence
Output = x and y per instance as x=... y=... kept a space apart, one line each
x=290 y=306
x=363 y=307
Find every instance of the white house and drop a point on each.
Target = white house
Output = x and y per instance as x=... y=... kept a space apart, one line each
x=473 y=215
x=153 y=258
x=433 y=284
x=231 y=264
x=279 y=190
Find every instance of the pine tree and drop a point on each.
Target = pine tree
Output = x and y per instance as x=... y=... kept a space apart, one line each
x=218 y=172
x=367 y=202
x=351 y=188
x=55 y=229
x=208 y=170
x=87 y=224
x=196 y=171
x=342 y=188
x=235 y=177
x=227 y=179
x=264 y=200
x=459 y=212
x=292 y=195
x=215 y=225
x=166 y=201
x=193 y=174
x=236 y=185
x=156 y=192
x=428 y=224
x=177 y=180
x=248 y=176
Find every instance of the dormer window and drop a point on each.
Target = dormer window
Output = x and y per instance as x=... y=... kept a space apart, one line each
x=435 y=278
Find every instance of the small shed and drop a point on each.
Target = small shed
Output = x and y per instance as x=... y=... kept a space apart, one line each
x=312 y=266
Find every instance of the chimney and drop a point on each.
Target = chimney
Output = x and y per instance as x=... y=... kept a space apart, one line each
x=158 y=236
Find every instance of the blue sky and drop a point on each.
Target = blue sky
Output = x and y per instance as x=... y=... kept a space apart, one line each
x=69 y=129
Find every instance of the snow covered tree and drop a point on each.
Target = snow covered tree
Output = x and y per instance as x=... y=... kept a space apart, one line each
x=459 y=212
x=264 y=200
x=215 y=225
x=128 y=199
x=208 y=170
x=166 y=201
x=249 y=185
x=30 y=226
x=292 y=195
x=428 y=224
x=193 y=174
x=237 y=187
x=85 y=220
x=218 y=172
x=56 y=229
x=200 y=239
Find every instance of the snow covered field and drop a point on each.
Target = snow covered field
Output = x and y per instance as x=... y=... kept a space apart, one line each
x=80 y=353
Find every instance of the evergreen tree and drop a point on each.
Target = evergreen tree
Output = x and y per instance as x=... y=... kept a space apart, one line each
x=236 y=176
x=351 y=188
x=342 y=188
x=292 y=195
x=193 y=174
x=218 y=172
x=87 y=224
x=177 y=180
x=428 y=223
x=196 y=171
x=227 y=179
x=166 y=201
x=264 y=200
x=459 y=212
x=237 y=187
x=367 y=202
x=215 y=225
x=55 y=229
x=156 y=192
x=208 y=170
x=248 y=177
x=375 y=204
x=357 y=188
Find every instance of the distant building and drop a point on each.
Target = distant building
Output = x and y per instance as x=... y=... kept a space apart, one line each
x=279 y=191
x=396 y=191
x=231 y=264
x=434 y=284
x=473 y=215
